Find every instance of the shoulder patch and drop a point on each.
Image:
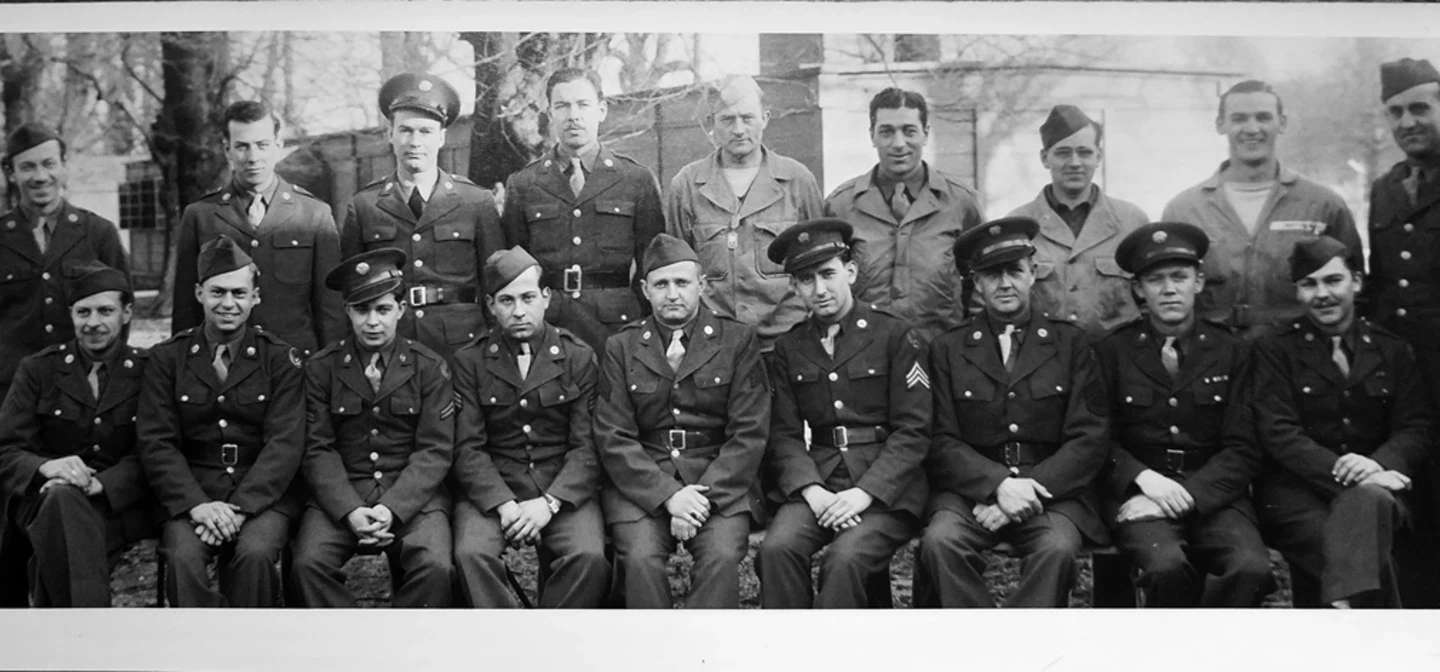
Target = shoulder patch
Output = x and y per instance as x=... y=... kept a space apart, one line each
x=294 y=358
x=177 y=336
x=912 y=339
x=445 y=369
x=461 y=179
x=50 y=350
x=375 y=184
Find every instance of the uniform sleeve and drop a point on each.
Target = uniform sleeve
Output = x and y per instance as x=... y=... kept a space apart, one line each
x=322 y=467
x=490 y=238
x=1086 y=432
x=512 y=221
x=1408 y=446
x=123 y=483
x=108 y=247
x=351 y=237
x=158 y=438
x=649 y=222
x=679 y=222
x=1121 y=467
x=20 y=431
x=1377 y=276
x=617 y=437
x=434 y=450
x=475 y=473
x=953 y=464
x=279 y=459
x=807 y=196
x=910 y=406
x=1226 y=476
x=734 y=471
x=185 y=310
x=1278 y=421
x=791 y=463
x=325 y=303
x=580 y=475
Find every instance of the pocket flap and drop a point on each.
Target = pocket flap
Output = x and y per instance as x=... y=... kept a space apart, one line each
x=539 y=211
x=555 y=394
x=292 y=239
x=454 y=231
x=621 y=208
x=1108 y=266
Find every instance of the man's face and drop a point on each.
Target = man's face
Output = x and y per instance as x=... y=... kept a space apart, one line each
x=374 y=321
x=41 y=173
x=825 y=288
x=1005 y=288
x=252 y=150
x=416 y=140
x=899 y=140
x=674 y=292
x=575 y=114
x=1169 y=290
x=1412 y=116
x=739 y=124
x=98 y=319
x=1072 y=162
x=228 y=299
x=1329 y=295
x=1252 y=122
x=520 y=306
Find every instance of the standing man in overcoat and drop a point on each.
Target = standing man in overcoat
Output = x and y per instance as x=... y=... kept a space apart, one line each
x=445 y=225
x=586 y=213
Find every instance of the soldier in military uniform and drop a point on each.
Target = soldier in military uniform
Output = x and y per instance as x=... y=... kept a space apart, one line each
x=586 y=213
x=379 y=443
x=445 y=225
x=1402 y=290
x=1020 y=433
x=67 y=448
x=856 y=376
x=220 y=431
x=1176 y=487
x=285 y=229
x=525 y=463
x=680 y=422
x=1344 y=418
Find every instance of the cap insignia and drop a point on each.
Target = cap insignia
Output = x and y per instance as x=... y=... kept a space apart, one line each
x=995 y=230
x=362 y=268
x=425 y=85
x=1159 y=236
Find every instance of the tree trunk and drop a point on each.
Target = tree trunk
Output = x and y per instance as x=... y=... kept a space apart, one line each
x=494 y=153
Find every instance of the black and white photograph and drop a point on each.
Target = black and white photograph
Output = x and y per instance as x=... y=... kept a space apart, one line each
x=864 y=314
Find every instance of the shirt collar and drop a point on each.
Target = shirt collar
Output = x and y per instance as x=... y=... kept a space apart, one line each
x=426 y=184
x=914 y=184
x=32 y=215
x=997 y=327
x=266 y=193
x=688 y=330
x=587 y=158
x=1090 y=200
x=387 y=352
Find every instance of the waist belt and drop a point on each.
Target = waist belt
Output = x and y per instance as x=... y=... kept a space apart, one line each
x=1017 y=454
x=224 y=455
x=1175 y=460
x=676 y=441
x=427 y=295
x=576 y=279
x=532 y=452
x=840 y=436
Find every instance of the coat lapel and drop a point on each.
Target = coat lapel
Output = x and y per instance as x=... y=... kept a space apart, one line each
x=982 y=350
x=854 y=337
x=1315 y=353
x=704 y=345
x=1195 y=363
x=398 y=370
x=810 y=346
x=232 y=212
x=443 y=201
x=870 y=201
x=1148 y=359
x=1034 y=350
x=73 y=377
x=1099 y=227
x=1367 y=356
x=68 y=233
x=352 y=372
x=392 y=200
x=1051 y=226
x=198 y=359
x=16 y=234
x=547 y=361
x=243 y=362
x=282 y=206
x=500 y=363
x=651 y=352
x=716 y=189
x=124 y=381
x=602 y=176
x=765 y=191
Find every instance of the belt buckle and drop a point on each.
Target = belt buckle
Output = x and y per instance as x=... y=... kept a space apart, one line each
x=1175 y=460
x=670 y=438
x=1012 y=453
x=840 y=436
x=229 y=454
x=417 y=296
x=573 y=279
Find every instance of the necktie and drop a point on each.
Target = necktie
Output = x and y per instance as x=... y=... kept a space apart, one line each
x=1170 y=357
x=373 y=372
x=222 y=362
x=94 y=379
x=676 y=352
x=1337 y=354
x=524 y=360
x=899 y=203
x=577 y=177
x=1412 y=184
x=828 y=340
x=256 y=212
x=417 y=204
x=1007 y=346
x=42 y=235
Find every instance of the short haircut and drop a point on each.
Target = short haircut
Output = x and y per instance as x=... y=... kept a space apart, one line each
x=564 y=75
x=736 y=84
x=1250 y=86
x=895 y=98
x=248 y=112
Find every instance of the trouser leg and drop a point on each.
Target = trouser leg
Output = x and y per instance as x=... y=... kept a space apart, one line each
x=321 y=550
x=783 y=561
x=718 y=548
x=858 y=553
x=425 y=553
x=1226 y=545
x=187 y=582
x=1358 y=541
x=1050 y=544
x=249 y=577
x=67 y=531
x=574 y=545
x=950 y=563
x=1158 y=548
x=641 y=549
x=480 y=557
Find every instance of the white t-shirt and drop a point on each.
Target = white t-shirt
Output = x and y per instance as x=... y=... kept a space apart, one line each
x=1248 y=199
x=740 y=179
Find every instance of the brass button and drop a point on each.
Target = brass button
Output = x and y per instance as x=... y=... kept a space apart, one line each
x=1400 y=312
x=415 y=237
x=839 y=404
x=378 y=475
x=1174 y=402
x=229 y=470
x=374 y=457
x=1404 y=283
x=834 y=376
x=1014 y=428
x=223 y=423
x=1405 y=254
x=1174 y=429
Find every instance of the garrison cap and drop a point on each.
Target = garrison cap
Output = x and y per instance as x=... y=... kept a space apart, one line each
x=1405 y=74
x=28 y=136
x=811 y=242
x=1063 y=122
x=504 y=266
x=1161 y=241
x=221 y=255
x=993 y=243
x=426 y=94
x=1312 y=254
x=95 y=277
x=665 y=250
x=368 y=275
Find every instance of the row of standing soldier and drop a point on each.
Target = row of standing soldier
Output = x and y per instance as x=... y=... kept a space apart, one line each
x=587 y=214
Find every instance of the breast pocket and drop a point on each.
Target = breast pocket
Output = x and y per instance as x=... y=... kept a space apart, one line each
x=294 y=252
x=974 y=387
x=713 y=381
x=764 y=234
x=59 y=408
x=615 y=225
x=642 y=383
x=455 y=247
x=255 y=390
x=557 y=393
x=712 y=245
x=1135 y=394
x=869 y=384
x=378 y=233
x=1316 y=395
x=547 y=232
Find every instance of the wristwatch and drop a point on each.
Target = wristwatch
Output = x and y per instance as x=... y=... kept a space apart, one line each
x=553 y=503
